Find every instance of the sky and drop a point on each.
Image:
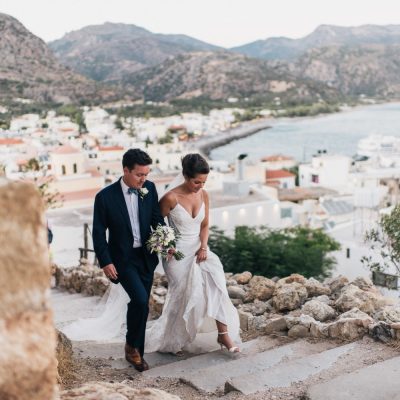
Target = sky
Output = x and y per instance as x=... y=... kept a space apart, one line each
x=226 y=23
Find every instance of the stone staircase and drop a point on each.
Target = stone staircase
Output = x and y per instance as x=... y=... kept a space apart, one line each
x=303 y=369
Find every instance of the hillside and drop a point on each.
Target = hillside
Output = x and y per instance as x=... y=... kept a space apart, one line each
x=372 y=70
x=219 y=75
x=28 y=69
x=110 y=51
x=325 y=35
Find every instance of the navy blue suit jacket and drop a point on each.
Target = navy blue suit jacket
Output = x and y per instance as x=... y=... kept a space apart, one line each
x=110 y=213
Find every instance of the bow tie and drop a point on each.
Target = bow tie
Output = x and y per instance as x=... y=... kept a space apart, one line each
x=133 y=190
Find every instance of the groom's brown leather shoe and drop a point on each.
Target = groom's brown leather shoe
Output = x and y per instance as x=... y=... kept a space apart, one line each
x=132 y=355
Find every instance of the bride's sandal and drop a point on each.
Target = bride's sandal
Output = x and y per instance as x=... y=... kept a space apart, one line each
x=179 y=353
x=233 y=349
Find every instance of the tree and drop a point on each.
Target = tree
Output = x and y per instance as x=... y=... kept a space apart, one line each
x=268 y=252
x=76 y=115
x=294 y=170
x=386 y=239
x=118 y=124
x=148 y=142
x=36 y=172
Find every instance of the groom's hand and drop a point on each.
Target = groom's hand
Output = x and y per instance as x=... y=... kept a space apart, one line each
x=110 y=271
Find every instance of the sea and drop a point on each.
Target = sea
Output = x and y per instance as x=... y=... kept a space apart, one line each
x=301 y=138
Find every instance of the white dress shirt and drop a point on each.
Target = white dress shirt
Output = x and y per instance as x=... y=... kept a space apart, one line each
x=132 y=205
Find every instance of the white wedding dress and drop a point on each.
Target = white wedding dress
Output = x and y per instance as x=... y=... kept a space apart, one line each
x=196 y=298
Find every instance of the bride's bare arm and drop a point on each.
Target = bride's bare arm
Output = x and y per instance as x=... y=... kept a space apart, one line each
x=167 y=203
x=204 y=231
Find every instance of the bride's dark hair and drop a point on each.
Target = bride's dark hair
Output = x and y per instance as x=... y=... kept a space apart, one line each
x=194 y=164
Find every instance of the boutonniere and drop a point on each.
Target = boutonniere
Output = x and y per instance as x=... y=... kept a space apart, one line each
x=143 y=192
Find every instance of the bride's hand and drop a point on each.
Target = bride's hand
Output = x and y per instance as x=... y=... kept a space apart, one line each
x=201 y=255
x=170 y=255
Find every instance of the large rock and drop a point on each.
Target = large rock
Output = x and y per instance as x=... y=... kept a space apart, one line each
x=236 y=292
x=260 y=288
x=64 y=353
x=350 y=325
x=363 y=283
x=28 y=365
x=353 y=297
x=318 y=310
x=244 y=319
x=289 y=296
x=87 y=279
x=299 y=331
x=304 y=320
x=256 y=323
x=291 y=279
x=316 y=288
x=389 y=314
x=336 y=283
x=243 y=278
x=256 y=308
x=114 y=391
x=275 y=325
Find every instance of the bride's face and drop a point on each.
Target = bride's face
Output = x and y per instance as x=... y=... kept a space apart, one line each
x=196 y=183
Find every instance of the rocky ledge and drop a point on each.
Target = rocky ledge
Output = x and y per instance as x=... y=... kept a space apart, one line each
x=293 y=306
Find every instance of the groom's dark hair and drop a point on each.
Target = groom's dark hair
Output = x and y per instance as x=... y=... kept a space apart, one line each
x=135 y=157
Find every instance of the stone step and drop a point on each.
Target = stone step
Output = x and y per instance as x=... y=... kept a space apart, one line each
x=207 y=360
x=212 y=378
x=378 y=381
x=114 y=353
x=70 y=307
x=286 y=373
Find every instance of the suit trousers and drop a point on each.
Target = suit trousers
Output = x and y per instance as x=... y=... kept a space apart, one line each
x=137 y=279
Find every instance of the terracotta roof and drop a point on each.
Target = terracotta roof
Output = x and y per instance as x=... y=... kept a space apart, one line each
x=66 y=149
x=10 y=141
x=278 y=174
x=110 y=148
x=277 y=157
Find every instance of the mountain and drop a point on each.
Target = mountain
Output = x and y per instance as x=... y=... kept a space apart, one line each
x=219 y=75
x=372 y=70
x=29 y=69
x=109 y=51
x=323 y=36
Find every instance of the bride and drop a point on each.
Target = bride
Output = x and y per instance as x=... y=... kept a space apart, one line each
x=197 y=300
x=198 y=313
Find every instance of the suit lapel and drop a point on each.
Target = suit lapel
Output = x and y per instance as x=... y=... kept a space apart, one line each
x=141 y=207
x=121 y=204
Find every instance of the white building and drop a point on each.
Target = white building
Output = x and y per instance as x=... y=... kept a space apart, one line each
x=73 y=180
x=330 y=171
x=24 y=122
x=278 y=161
x=265 y=212
x=280 y=178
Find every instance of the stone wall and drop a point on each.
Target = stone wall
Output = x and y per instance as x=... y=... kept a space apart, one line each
x=28 y=366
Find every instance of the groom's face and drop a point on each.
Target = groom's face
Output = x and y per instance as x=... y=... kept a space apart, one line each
x=137 y=176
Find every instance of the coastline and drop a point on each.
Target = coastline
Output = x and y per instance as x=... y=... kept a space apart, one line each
x=207 y=144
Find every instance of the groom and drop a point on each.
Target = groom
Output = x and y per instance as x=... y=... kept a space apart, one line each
x=128 y=209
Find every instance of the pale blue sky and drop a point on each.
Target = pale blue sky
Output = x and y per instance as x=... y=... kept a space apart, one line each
x=222 y=22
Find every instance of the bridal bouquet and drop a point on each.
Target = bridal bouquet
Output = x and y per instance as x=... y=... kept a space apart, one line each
x=163 y=241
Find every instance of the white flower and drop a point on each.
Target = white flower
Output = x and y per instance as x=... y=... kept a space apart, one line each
x=143 y=192
x=162 y=239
